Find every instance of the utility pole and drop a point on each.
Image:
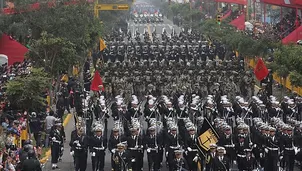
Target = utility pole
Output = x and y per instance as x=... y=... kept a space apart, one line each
x=1 y=4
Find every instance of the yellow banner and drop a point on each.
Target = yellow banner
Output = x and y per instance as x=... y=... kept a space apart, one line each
x=102 y=44
x=207 y=138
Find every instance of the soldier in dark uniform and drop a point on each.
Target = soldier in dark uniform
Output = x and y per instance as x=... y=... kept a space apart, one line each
x=56 y=139
x=122 y=159
x=210 y=156
x=221 y=162
x=152 y=143
x=173 y=142
x=227 y=141
x=240 y=151
x=97 y=147
x=191 y=148
x=287 y=147
x=79 y=144
x=179 y=163
x=272 y=151
x=249 y=162
x=135 y=146
x=115 y=138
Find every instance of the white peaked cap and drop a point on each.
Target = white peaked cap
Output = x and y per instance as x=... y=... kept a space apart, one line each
x=150 y=102
x=102 y=102
x=210 y=102
x=194 y=101
x=150 y=96
x=275 y=102
x=133 y=96
x=154 y=98
x=120 y=99
x=255 y=97
x=102 y=97
x=238 y=97
x=224 y=96
x=193 y=95
x=290 y=101
x=119 y=102
x=181 y=102
x=209 y=98
x=197 y=97
x=118 y=96
x=241 y=100
x=168 y=102
x=246 y=103
x=134 y=102
x=182 y=96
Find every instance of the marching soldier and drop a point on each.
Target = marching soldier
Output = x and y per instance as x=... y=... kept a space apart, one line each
x=191 y=149
x=288 y=149
x=227 y=141
x=56 y=139
x=114 y=140
x=79 y=144
x=249 y=162
x=98 y=145
x=221 y=162
x=135 y=146
x=272 y=151
x=122 y=159
x=240 y=151
x=210 y=156
x=179 y=163
x=173 y=143
x=152 y=143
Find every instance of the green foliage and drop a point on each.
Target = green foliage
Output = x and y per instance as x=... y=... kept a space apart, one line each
x=26 y=92
x=55 y=54
x=73 y=22
x=295 y=78
x=287 y=60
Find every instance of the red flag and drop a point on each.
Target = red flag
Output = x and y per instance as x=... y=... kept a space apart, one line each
x=97 y=83
x=260 y=70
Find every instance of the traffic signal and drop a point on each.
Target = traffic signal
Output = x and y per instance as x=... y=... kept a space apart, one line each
x=218 y=19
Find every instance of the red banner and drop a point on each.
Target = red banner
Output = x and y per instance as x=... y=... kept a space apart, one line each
x=239 y=22
x=97 y=83
x=241 y=2
x=260 y=70
x=293 y=37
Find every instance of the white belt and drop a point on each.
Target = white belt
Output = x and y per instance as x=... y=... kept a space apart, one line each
x=241 y=155
x=99 y=148
x=56 y=141
x=292 y=148
x=134 y=149
x=174 y=147
x=79 y=148
x=229 y=146
x=273 y=149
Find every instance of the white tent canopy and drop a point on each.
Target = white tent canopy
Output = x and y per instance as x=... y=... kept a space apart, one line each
x=249 y=26
x=3 y=59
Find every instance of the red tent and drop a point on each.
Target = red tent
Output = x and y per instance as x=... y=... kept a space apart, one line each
x=239 y=22
x=284 y=3
x=293 y=37
x=12 y=49
x=241 y=2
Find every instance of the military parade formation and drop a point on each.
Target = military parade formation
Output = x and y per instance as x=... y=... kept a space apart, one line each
x=162 y=91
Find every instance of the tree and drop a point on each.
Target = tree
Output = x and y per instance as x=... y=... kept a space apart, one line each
x=73 y=22
x=26 y=92
x=54 y=54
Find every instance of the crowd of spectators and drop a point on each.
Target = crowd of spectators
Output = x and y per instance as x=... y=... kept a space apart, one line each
x=14 y=122
x=288 y=23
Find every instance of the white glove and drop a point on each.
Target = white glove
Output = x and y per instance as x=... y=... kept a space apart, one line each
x=261 y=155
x=251 y=144
x=235 y=162
x=189 y=149
x=72 y=153
x=167 y=153
x=113 y=151
x=255 y=145
x=148 y=150
x=233 y=145
x=147 y=117
x=93 y=154
x=281 y=157
x=186 y=152
x=53 y=138
x=195 y=159
x=133 y=160
x=266 y=150
x=62 y=148
x=79 y=145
